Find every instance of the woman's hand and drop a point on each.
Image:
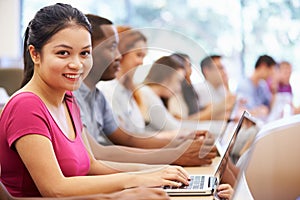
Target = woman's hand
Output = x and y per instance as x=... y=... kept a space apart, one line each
x=174 y=176
x=225 y=191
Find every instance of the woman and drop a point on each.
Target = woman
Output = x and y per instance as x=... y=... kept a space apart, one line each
x=186 y=104
x=162 y=82
x=41 y=149
x=133 y=48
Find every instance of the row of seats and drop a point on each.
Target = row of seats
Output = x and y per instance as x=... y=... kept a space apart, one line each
x=11 y=79
x=272 y=168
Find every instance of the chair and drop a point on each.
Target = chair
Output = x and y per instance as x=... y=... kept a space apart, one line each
x=11 y=79
x=273 y=171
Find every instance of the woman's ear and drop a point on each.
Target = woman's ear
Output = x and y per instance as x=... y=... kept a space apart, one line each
x=35 y=56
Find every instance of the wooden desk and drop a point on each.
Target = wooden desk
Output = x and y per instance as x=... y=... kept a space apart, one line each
x=200 y=170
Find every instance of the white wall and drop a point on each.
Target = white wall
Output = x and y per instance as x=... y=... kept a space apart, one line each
x=10 y=38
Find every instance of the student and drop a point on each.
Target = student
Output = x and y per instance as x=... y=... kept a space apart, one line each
x=162 y=81
x=215 y=85
x=255 y=90
x=99 y=121
x=42 y=152
x=285 y=72
x=214 y=91
x=120 y=92
x=187 y=103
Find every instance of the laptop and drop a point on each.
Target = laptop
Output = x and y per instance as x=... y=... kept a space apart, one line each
x=227 y=131
x=207 y=184
x=225 y=136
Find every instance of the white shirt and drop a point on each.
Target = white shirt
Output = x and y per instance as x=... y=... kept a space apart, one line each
x=208 y=94
x=123 y=105
x=157 y=116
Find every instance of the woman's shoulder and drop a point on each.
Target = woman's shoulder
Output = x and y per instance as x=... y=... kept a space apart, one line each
x=145 y=89
x=23 y=104
x=24 y=97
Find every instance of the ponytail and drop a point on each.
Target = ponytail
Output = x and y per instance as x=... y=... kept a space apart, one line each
x=28 y=64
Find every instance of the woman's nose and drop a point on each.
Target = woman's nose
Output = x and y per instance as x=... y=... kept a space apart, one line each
x=76 y=63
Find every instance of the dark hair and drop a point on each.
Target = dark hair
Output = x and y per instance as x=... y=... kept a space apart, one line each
x=181 y=55
x=268 y=60
x=208 y=62
x=128 y=37
x=163 y=68
x=46 y=23
x=96 y=21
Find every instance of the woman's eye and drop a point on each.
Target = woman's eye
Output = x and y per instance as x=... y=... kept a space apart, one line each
x=63 y=53
x=85 y=53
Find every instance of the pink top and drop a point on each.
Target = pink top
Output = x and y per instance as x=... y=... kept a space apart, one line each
x=26 y=114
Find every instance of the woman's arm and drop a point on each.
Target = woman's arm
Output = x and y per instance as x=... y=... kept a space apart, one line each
x=37 y=154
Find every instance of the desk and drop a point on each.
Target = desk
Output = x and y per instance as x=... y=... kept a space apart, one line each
x=200 y=170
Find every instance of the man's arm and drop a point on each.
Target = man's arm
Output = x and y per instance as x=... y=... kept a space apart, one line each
x=186 y=154
x=147 y=140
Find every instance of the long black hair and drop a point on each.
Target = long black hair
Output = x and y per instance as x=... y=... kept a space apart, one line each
x=46 y=23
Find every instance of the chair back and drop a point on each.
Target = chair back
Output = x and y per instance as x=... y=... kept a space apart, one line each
x=11 y=79
x=273 y=171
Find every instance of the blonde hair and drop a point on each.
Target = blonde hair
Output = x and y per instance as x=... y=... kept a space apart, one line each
x=128 y=37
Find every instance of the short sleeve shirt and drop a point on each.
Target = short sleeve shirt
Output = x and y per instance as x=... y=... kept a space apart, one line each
x=124 y=106
x=208 y=94
x=26 y=114
x=96 y=113
x=157 y=116
x=255 y=95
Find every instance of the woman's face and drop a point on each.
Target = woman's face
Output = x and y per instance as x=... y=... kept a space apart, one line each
x=134 y=58
x=172 y=85
x=285 y=71
x=65 y=60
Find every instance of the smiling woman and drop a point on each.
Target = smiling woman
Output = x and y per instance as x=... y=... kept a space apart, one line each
x=57 y=57
x=51 y=58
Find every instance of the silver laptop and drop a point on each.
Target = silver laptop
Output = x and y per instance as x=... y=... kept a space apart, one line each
x=207 y=184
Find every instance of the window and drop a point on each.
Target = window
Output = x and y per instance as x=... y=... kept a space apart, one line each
x=239 y=30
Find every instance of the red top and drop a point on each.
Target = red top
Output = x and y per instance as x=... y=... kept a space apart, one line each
x=26 y=114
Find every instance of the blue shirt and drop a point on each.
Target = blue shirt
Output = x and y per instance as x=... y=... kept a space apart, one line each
x=255 y=95
x=96 y=113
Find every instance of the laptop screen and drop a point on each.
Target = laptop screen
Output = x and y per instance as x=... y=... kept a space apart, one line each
x=244 y=126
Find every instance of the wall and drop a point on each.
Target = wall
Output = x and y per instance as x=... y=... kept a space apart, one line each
x=10 y=38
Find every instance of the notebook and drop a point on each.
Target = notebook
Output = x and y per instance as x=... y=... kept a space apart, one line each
x=207 y=184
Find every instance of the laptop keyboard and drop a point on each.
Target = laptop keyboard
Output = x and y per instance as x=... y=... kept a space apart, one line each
x=196 y=183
